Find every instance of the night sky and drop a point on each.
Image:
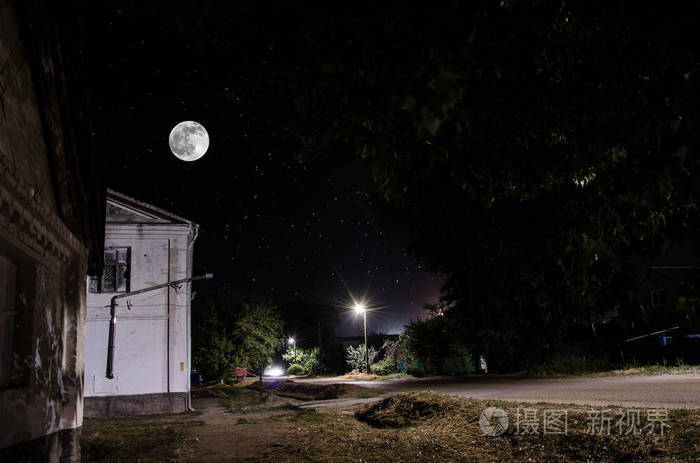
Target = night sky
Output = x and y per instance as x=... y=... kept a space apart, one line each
x=269 y=223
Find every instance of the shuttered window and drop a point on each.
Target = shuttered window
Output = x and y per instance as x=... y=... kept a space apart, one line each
x=115 y=277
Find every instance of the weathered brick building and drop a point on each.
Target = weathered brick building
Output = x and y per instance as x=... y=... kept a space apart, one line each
x=51 y=222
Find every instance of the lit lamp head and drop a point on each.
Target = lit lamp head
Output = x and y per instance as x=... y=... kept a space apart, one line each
x=291 y=340
x=359 y=308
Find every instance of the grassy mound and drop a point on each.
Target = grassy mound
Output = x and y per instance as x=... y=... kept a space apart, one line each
x=406 y=409
x=312 y=391
x=287 y=388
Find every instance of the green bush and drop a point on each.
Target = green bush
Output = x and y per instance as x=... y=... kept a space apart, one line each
x=385 y=366
x=298 y=356
x=308 y=360
x=296 y=369
x=393 y=356
x=355 y=356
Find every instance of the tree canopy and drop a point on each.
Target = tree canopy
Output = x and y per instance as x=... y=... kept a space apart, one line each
x=234 y=331
x=526 y=149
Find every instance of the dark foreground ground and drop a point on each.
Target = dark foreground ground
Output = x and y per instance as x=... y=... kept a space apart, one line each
x=239 y=424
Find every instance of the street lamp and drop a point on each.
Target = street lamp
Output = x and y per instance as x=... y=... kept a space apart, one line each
x=360 y=308
x=293 y=342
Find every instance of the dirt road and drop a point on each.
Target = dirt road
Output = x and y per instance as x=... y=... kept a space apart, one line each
x=223 y=438
x=649 y=391
x=241 y=427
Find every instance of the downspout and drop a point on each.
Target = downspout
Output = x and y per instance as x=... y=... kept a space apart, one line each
x=167 y=331
x=111 y=343
x=190 y=264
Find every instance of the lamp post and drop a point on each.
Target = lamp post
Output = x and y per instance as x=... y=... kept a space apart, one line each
x=361 y=309
x=293 y=342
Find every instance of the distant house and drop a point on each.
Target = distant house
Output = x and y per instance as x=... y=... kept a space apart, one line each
x=659 y=291
x=144 y=246
x=663 y=316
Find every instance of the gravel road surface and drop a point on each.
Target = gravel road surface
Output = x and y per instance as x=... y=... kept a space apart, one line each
x=648 y=391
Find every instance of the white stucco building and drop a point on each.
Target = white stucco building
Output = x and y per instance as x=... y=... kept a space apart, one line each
x=144 y=246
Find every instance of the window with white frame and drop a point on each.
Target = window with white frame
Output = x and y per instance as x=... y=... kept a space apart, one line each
x=115 y=276
x=659 y=297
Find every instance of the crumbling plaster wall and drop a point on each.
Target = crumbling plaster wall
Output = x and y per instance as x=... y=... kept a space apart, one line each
x=45 y=397
x=22 y=150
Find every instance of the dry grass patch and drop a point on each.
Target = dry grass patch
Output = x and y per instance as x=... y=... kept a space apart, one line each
x=415 y=427
x=250 y=399
x=433 y=427
x=221 y=390
x=407 y=409
x=245 y=397
x=360 y=376
x=104 y=440
x=307 y=391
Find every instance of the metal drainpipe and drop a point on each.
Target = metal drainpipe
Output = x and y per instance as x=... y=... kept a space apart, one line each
x=111 y=342
x=195 y=234
x=167 y=330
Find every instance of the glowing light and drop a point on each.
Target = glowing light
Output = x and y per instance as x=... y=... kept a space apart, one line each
x=359 y=307
x=274 y=371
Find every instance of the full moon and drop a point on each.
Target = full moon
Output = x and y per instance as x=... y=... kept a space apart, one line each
x=189 y=140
